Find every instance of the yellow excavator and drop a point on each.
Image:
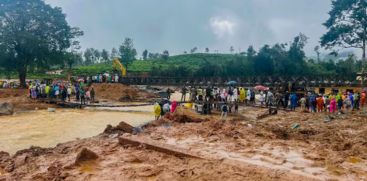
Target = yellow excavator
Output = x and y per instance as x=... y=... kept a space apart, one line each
x=117 y=66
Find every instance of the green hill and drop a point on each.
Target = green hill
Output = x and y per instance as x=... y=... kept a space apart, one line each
x=188 y=63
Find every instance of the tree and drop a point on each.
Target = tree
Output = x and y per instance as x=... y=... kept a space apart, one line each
x=127 y=52
x=206 y=50
x=317 y=51
x=231 y=49
x=165 y=55
x=33 y=35
x=89 y=56
x=296 y=53
x=72 y=58
x=194 y=50
x=347 y=25
x=145 y=54
x=97 y=56
x=251 y=51
x=114 y=53
x=105 y=55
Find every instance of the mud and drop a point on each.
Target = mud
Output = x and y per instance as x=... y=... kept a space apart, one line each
x=188 y=146
x=20 y=100
x=122 y=93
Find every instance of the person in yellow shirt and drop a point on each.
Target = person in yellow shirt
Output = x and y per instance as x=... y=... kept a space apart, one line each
x=157 y=111
x=242 y=94
x=47 y=90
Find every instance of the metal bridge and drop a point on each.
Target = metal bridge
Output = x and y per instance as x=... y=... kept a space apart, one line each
x=243 y=81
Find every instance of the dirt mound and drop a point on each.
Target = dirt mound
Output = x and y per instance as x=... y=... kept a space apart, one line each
x=121 y=127
x=6 y=109
x=20 y=100
x=85 y=155
x=122 y=93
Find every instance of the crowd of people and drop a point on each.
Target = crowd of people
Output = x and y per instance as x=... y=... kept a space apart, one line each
x=163 y=107
x=62 y=90
x=227 y=98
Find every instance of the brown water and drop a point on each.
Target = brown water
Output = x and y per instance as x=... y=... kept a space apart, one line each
x=47 y=129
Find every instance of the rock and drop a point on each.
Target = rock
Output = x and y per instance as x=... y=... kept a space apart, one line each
x=6 y=109
x=121 y=127
x=85 y=155
x=20 y=160
x=51 y=110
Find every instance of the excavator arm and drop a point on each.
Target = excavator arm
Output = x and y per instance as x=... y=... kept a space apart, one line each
x=117 y=65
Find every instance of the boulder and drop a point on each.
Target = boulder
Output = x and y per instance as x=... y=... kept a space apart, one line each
x=121 y=127
x=6 y=109
x=85 y=155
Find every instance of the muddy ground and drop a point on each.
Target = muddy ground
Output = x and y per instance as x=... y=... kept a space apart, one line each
x=122 y=93
x=20 y=100
x=287 y=146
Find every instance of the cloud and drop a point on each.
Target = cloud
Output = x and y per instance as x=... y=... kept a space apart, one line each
x=222 y=27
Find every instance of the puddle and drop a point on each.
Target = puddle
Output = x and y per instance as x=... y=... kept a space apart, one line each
x=47 y=129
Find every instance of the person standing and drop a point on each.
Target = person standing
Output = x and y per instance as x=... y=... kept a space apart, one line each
x=356 y=101
x=82 y=96
x=332 y=105
x=183 y=91
x=294 y=101
x=303 y=103
x=173 y=106
x=92 y=95
x=157 y=110
x=320 y=104
x=363 y=99
x=224 y=109
x=69 y=92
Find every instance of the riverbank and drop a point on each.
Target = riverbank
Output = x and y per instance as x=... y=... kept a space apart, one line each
x=188 y=146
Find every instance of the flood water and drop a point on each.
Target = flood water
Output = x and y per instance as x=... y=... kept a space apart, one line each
x=47 y=129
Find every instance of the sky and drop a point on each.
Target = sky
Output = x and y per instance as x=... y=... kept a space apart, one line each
x=180 y=25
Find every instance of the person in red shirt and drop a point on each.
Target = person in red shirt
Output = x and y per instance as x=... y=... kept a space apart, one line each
x=363 y=99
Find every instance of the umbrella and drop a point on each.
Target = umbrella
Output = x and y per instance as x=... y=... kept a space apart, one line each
x=261 y=88
x=231 y=82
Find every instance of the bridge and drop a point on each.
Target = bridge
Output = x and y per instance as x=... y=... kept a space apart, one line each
x=243 y=81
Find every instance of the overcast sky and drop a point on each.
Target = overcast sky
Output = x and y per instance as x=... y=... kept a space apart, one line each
x=179 y=25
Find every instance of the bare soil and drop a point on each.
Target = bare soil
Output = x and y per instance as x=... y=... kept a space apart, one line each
x=122 y=93
x=240 y=148
x=19 y=98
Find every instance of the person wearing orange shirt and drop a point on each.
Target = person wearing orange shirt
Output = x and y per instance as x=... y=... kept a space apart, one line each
x=320 y=104
x=363 y=99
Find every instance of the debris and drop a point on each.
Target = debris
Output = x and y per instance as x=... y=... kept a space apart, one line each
x=121 y=127
x=51 y=109
x=156 y=146
x=328 y=118
x=296 y=125
x=85 y=155
x=6 y=109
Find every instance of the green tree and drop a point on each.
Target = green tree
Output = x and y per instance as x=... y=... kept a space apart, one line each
x=72 y=58
x=206 y=50
x=89 y=56
x=105 y=55
x=127 y=52
x=263 y=64
x=165 y=55
x=114 y=53
x=297 y=55
x=145 y=54
x=317 y=51
x=193 y=50
x=231 y=49
x=97 y=56
x=347 y=25
x=33 y=35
